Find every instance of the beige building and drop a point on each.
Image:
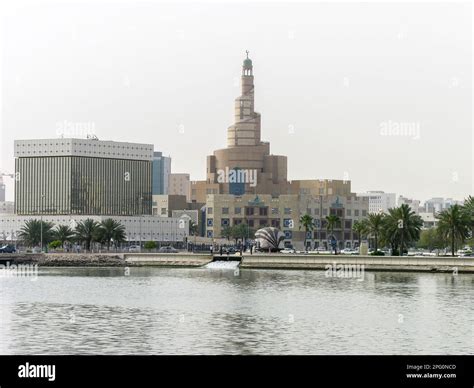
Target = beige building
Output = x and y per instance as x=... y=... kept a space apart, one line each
x=284 y=212
x=163 y=205
x=179 y=184
x=413 y=203
x=246 y=166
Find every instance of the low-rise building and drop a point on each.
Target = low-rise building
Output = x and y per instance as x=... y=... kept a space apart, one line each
x=379 y=201
x=137 y=228
x=7 y=207
x=284 y=212
x=413 y=203
x=429 y=220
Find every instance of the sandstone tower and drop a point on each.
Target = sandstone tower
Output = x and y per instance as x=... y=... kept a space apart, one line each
x=245 y=150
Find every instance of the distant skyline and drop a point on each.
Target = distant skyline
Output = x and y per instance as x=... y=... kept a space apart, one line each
x=379 y=94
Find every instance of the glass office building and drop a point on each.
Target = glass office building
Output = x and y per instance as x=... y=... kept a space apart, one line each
x=161 y=171
x=83 y=177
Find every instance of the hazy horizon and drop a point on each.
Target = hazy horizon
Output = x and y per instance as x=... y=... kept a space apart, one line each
x=333 y=83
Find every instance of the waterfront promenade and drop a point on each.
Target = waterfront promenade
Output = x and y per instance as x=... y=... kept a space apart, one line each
x=260 y=261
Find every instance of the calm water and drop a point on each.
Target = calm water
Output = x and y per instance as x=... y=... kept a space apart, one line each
x=219 y=311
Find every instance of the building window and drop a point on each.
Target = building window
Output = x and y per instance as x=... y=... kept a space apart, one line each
x=288 y=234
x=225 y=222
x=249 y=211
x=356 y=213
x=275 y=223
x=287 y=210
x=209 y=210
x=275 y=210
x=364 y=213
x=225 y=210
x=316 y=212
x=210 y=222
x=163 y=211
x=348 y=212
x=348 y=224
x=238 y=210
x=325 y=212
x=209 y=233
x=263 y=211
x=288 y=223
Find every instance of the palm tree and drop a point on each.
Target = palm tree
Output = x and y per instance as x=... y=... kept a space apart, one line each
x=111 y=230
x=332 y=221
x=402 y=226
x=30 y=233
x=373 y=227
x=454 y=224
x=469 y=209
x=87 y=231
x=359 y=228
x=63 y=233
x=306 y=221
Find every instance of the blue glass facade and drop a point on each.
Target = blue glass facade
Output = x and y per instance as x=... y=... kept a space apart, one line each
x=161 y=168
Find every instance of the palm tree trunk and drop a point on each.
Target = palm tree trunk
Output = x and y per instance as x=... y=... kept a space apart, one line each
x=305 y=234
x=452 y=241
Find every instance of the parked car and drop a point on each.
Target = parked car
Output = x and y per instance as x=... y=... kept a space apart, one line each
x=167 y=249
x=7 y=249
x=134 y=248
x=349 y=251
x=288 y=250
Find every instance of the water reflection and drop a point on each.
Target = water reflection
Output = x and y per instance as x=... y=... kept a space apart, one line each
x=199 y=311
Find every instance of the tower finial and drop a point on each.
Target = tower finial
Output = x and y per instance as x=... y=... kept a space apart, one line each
x=247 y=51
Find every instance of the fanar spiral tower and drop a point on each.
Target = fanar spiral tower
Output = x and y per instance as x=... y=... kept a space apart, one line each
x=246 y=165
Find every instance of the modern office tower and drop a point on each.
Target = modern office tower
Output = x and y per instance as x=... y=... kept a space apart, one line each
x=82 y=177
x=161 y=171
x=379 y=201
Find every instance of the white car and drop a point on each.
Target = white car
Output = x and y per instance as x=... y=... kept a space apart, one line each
x=134 y=248
x=349 y=251
x=288 y=250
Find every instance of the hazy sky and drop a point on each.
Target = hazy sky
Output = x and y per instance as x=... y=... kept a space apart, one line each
x=334 y=82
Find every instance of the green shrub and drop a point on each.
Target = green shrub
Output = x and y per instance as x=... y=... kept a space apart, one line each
x=55 y=244
x=377 y=253
x=150 y=245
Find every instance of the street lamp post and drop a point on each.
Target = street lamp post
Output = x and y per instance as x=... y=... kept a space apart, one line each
x=41 y=223
x=140 y=223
